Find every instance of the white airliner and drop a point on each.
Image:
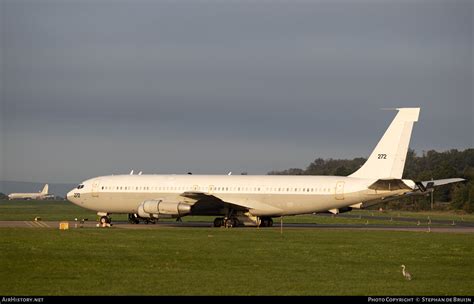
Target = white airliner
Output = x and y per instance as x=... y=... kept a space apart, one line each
x=254 y=200
x=36 y=195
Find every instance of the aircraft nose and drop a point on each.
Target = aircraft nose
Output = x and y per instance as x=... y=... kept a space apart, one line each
x=70 y=196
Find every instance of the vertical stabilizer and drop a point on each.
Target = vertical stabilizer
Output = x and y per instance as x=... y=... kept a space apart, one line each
x=388 y=158
x=45 y=189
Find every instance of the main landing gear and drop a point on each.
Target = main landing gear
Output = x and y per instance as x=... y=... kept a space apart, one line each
x=226 y=222
x=133 y=218
x=234 y=222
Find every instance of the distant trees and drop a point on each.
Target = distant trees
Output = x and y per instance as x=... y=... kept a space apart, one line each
x=430 y=165
x=463 y=197
x=3 y=196
x=340 y=167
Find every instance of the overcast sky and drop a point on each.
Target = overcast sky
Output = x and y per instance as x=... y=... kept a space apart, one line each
x=93 y=88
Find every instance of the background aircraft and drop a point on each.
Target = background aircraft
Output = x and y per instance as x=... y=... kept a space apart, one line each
x=43 y=194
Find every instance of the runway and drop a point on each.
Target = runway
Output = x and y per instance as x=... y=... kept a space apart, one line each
x=126 y=225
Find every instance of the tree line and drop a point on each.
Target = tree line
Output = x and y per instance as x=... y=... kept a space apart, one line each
x=430 y=165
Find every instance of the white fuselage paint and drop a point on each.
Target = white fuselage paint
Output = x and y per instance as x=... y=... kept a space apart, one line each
x=32 y=196
x=262 y=195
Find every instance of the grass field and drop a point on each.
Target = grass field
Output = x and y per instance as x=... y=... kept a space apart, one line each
x=63 y=210
x=202 y=261
x=212 y=261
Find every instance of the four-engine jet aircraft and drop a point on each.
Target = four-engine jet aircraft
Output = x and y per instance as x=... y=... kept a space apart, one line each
x=255 y=200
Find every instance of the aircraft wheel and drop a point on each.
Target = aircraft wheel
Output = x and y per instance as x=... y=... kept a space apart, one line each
x=133 y=219
x=217 y=222
x=236 y=222
x=229 y=223
x=104 y=220
x=266 y=222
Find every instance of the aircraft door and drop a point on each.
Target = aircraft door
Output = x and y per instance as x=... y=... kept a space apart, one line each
x=339 y=190
x=95 y=188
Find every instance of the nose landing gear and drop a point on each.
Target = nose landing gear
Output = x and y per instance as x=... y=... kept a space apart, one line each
x=104 y=221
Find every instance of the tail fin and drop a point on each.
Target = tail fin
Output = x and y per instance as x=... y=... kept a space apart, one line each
x=388 y=158
x=45 y=189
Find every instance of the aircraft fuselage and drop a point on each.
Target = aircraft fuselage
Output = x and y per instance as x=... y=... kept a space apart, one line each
x=263 y=195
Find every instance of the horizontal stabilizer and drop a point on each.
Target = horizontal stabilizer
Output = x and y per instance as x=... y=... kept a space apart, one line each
x=429 y=185
x=421 y=188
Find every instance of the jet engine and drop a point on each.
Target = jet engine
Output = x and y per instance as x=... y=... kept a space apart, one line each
x=158 y=208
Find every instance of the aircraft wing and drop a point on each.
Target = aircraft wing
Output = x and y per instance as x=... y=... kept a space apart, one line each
x=204 y=200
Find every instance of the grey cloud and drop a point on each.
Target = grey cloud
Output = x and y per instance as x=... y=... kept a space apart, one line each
x=144 y=76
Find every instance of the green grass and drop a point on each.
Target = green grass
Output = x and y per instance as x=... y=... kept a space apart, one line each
x=24 y=210
x=205 y=261
x=63 y=210
x=433 y=215
x=202 y=261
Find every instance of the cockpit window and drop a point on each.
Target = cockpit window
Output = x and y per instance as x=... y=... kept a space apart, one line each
x=80 y=186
